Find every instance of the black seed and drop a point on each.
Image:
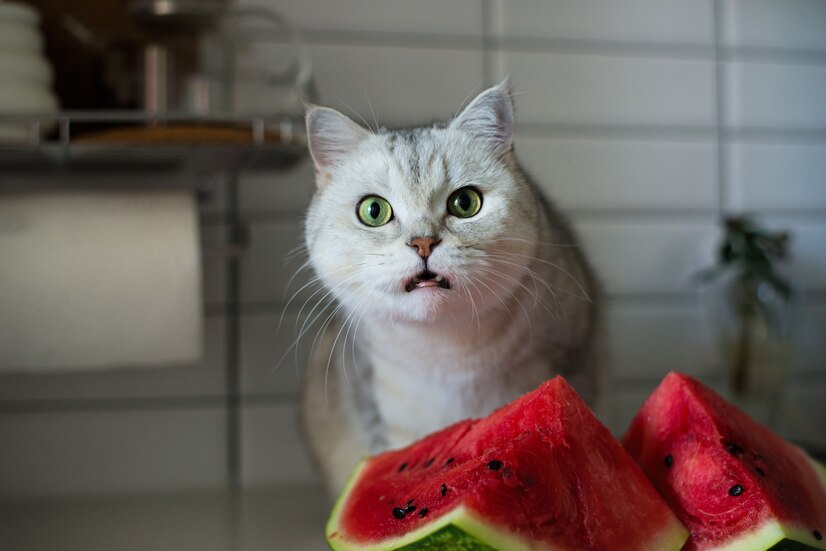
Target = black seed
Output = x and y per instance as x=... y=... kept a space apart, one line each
x=410 y=509
x=818 y=536
x=760 y=471
x=399 y=513
x=423 y=512
x=409 y=503
x=669 y=460
x=449 y=461
x=402 y=467
x=429 y=462
x=734 y=449
x=375 y=210
x=495 y=465
x=735 y=490
x=444 y=489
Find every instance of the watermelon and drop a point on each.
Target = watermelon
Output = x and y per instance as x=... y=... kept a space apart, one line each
x=541 y=473
x=731 y=481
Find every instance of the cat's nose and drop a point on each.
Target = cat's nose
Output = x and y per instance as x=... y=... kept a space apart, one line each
x=424 y=245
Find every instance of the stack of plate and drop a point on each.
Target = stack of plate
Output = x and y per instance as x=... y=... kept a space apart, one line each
x=25 y=74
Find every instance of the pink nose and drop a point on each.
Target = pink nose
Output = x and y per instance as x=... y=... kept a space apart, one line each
x=424 y=245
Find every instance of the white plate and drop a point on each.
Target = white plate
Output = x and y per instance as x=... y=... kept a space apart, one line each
x=25 y=67
x=20 y=13
x=19 y=38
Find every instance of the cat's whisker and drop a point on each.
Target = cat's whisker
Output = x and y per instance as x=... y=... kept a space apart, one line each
x=506 y=277
x=529 y=241
x=304 y=326
x=344 y=346
x=294 y=252
x=494 y=293
x=556 y=266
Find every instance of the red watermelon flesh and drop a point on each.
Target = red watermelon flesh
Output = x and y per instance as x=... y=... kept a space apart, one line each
x=731 y=481
x=540 y=473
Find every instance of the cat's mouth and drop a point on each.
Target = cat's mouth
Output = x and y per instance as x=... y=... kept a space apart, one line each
x=427 y=279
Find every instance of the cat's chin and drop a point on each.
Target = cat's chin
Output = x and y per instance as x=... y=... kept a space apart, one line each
x=427 y=304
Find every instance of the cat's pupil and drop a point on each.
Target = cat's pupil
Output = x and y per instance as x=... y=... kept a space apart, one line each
x=464 y=201
x=375 y=210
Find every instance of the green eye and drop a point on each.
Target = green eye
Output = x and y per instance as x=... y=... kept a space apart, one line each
x=374 y=211
x=464 y=202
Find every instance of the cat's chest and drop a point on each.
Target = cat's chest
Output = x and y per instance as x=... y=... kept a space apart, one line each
x=414 y=401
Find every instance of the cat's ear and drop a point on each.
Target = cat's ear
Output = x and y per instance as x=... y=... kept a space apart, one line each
x=331 y=136
x=489 y=117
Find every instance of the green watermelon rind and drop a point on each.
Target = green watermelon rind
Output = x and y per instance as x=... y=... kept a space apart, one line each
x=473 y=533
x=775 y=535
x=466 y=531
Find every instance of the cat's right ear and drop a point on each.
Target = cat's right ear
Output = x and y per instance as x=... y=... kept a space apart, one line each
x=331 y=136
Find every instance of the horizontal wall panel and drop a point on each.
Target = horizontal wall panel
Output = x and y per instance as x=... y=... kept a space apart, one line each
x=204 y=379
x=272 y=449
x=779 y=176
x=775 y=95
x=768 y=23
x=214 y=238
x=647 y=340
x=648 y=258
x=278 y=191
x=457 y=17
x=804 y=413
x=273 y=358
x=200 y=522
x=682 y=21
x=404 y=85
x=810 y=328
x=271 y=260
x=591 y=174
x=590 y=89
x=107 y=453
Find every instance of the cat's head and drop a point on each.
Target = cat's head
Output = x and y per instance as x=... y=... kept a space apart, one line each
x=426 y=224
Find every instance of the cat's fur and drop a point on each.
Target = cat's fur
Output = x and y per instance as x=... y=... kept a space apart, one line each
x=522 y=306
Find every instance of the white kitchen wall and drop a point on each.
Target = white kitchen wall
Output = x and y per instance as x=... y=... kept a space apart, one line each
x=643 y=119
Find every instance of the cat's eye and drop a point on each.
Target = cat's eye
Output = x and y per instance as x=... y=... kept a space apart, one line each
x=374 y=211
x=464 y=202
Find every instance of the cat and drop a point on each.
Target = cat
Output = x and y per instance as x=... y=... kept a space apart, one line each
x=457 y=286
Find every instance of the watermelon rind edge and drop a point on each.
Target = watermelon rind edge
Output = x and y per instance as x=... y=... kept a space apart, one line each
x=773 y=532
x=460 y=517
x=672 y=537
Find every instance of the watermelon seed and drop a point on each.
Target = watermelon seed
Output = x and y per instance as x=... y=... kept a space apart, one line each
x=760 y=471
x=399 y=513
x=495 y=465
x=410 y=509
x=669 y=460
x=449 y=461
x=429 y=462
x=402 y=467
x=423 y=512
x=734 y=449
x=444 y=490
x=735 y=490
x=818 y=536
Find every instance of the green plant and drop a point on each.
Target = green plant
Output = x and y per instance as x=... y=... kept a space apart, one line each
x=749 y=254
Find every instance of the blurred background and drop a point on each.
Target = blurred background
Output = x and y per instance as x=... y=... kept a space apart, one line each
x=158 y=189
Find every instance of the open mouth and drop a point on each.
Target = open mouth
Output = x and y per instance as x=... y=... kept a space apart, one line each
x=427 y=279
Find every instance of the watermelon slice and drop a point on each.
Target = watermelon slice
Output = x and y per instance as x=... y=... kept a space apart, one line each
x=538 y=474
x=732 y=482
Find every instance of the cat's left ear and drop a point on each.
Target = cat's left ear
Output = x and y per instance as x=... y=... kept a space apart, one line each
x=489 y=117
x=331 y=136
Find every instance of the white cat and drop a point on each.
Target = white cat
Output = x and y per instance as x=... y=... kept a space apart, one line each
x=460 y=287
